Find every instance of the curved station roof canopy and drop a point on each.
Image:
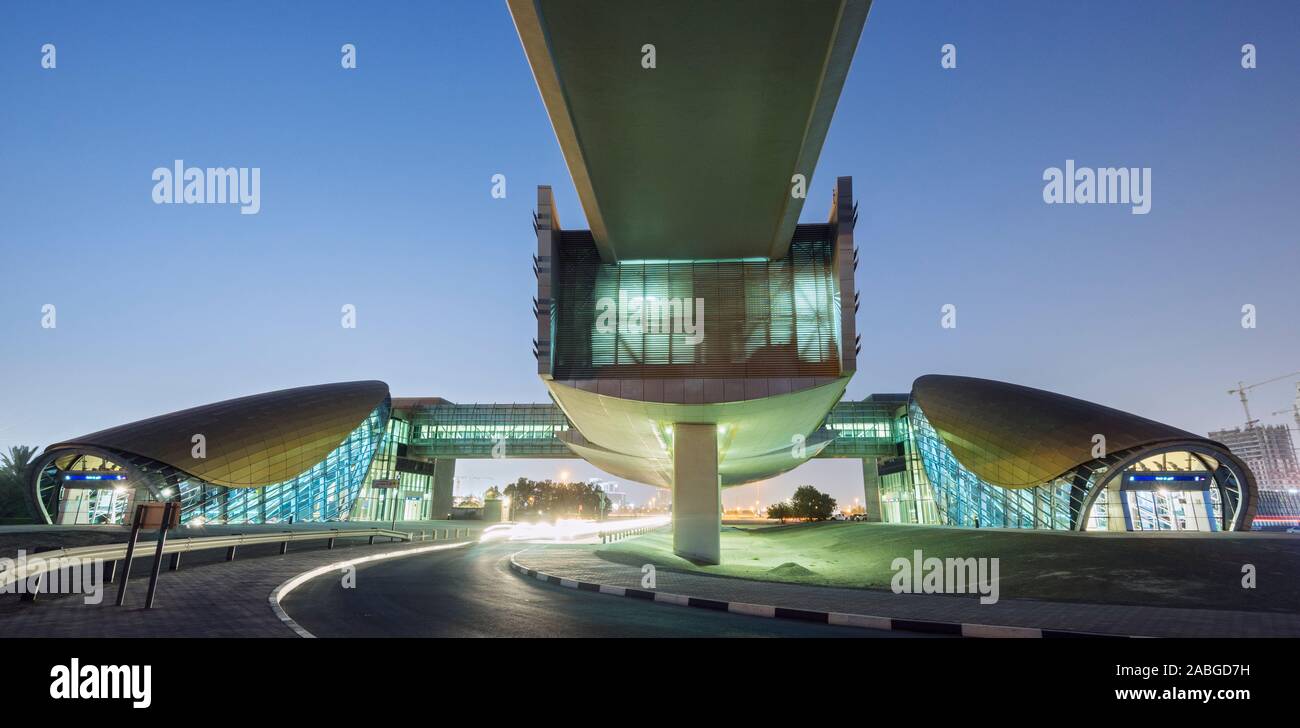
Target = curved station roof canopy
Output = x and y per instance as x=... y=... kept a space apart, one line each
x=1019 y=437
x=633 y=439
x=691 y=158
x=251 y=441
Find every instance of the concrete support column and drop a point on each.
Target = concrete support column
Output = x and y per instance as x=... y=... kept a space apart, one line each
x=697 y=493
x=871 y=489
x=444 y=471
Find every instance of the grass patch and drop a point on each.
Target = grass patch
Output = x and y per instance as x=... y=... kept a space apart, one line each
x=1161 y=569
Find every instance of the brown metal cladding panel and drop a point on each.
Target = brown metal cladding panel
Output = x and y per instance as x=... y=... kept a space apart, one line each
x=654 y=390
x=714 y=391
x=251 y=441
x=1017 y=436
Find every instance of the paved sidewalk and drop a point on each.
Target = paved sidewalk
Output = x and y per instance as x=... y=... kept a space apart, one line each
x=580 y=563
x=209 y=600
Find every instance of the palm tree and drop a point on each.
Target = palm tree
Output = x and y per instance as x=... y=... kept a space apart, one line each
x=13 y=472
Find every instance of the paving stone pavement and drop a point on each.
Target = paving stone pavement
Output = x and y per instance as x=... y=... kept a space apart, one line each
x=223 y=599
x=580 y=563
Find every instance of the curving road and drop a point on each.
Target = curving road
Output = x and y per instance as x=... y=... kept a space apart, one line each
x=471 y=592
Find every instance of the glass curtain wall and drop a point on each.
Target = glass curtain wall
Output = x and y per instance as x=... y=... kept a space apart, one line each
x=325 y=492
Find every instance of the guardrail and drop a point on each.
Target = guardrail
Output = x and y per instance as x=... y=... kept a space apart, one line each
x=43 y=562
x=612 y=536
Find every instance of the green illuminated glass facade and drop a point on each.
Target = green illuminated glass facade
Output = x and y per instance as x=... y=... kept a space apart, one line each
x=649 y=318
x=488 y=430
x=411 y=498
x=905 y=495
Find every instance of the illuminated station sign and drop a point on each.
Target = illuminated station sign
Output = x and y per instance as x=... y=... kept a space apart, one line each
x=93 y=476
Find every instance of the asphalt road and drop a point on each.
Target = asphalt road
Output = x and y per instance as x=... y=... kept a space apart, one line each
x=471 y=592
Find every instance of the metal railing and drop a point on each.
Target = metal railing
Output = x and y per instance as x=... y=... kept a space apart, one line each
x=43 y=562
x=619 y=535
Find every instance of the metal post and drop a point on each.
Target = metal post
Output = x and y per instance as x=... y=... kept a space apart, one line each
x=230 y=554
x=284 y=546
x=176 y=562
x=158 y=554
x=130 y=555
x=34 y=588
x=330 y=543
x=110 y=571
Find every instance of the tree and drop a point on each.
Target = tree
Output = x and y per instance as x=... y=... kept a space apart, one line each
x=780 y=510
x=13 y=473
x=808 y=502
x=549 y=499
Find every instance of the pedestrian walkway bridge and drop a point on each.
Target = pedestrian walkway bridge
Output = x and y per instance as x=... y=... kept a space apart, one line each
x=871 y=428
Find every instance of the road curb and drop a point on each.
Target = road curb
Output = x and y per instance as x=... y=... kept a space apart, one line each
x=841 y=619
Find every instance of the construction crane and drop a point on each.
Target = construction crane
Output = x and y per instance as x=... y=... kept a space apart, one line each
x=1268 y=465
x=1242 y=388
x=1294 y=411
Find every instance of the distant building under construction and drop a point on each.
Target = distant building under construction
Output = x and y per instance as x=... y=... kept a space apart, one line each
x=1268 y=452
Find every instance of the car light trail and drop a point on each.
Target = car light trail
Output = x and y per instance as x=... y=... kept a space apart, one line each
x=565 y=530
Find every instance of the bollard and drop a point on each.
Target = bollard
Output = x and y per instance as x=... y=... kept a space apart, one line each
x=130 y=555
x=158 y=553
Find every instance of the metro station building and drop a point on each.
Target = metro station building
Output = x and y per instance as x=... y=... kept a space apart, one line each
x=694 y=337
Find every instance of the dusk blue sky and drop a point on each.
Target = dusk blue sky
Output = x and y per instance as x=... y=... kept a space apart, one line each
x=375 y=192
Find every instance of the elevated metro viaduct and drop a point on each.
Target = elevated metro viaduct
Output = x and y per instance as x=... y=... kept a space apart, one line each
x=696 y=328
